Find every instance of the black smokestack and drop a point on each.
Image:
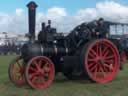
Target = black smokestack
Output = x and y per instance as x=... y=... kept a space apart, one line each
x=32 y=18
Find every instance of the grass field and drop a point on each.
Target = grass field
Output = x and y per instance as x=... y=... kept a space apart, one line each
x=63 y=87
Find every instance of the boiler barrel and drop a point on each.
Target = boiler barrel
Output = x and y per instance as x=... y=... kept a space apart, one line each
x=53 y=50
x=33 y=50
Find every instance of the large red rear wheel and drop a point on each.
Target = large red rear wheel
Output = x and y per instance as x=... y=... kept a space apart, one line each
x=16 y=71
x=39 y=72
x=101 y=60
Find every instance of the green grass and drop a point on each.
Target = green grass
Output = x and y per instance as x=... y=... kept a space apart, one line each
x=63 y=87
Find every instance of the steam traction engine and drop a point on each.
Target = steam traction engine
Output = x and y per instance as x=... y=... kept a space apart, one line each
x=79 y=54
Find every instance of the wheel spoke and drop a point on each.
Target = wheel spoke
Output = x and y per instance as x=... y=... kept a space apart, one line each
x=33 y=78
x=19 y=64
x=106 y=53
x=107 y=66
x=109 y=61
x=96 y=70
x=37 y=65
x=109 y=57
x=32 y=69
x=32 y=75
x=45 y=65
x=93 y=60
x=101 y=69
x=91 y=64
x=93 y=52
x=40 y=63
x=46 y=68
x=92 y=55
x=104 y=50
x=93 y=68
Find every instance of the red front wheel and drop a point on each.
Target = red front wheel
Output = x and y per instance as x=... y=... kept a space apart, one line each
x=16 y=71
x=39 y=72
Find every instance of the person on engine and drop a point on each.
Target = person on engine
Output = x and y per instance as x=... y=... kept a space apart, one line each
x=98 y=28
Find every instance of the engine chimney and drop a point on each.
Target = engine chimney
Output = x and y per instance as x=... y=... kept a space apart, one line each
x=32 y=18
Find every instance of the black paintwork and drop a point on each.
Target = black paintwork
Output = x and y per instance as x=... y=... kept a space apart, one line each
x=60 y=48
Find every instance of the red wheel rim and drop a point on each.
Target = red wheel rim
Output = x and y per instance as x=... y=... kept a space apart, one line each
x=102 y=61
x=40 y=72
x=124 y=57
x=16 y=71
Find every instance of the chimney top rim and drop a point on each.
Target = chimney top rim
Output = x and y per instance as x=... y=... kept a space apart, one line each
x=32 y=3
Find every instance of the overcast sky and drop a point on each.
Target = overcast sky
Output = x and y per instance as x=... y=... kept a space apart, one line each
x=65 y=14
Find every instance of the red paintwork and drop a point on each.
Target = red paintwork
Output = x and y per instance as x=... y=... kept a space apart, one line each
x=39 y=72
x=102 y=61
x=17 y=72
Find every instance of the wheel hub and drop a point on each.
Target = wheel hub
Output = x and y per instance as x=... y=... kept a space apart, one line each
x=101 y=61
x=42 y=72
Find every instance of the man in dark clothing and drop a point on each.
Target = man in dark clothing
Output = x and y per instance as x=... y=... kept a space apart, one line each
x=101 y=30
x=98 y=28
